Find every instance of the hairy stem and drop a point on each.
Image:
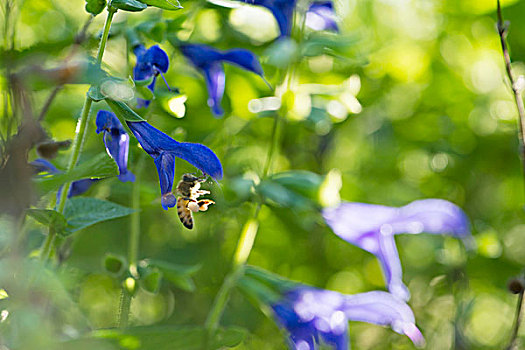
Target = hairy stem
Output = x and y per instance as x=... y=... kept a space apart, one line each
x=79 y=138
x=516 y=91
x=517 y=322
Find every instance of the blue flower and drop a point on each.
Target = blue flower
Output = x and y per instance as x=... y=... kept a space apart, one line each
x=314 y=316
x=209 y=61
x=116 y=140
x=150 y=63
x=282 y=10
x=77 y=187
x=372 y=228
x=321 y=16
x=163 y=149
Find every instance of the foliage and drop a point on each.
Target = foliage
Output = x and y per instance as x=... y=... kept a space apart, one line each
x=406 y=101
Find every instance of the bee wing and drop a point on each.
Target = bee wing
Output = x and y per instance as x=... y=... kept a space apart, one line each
x=204 y=203
x=184 y=213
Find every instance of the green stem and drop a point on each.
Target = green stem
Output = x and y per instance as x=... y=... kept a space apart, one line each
x=517 y=322
x=133 y=248
x=47 y=247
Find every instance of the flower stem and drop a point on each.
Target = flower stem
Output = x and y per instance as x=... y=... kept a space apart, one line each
x=47 y=247
x=133 y=247
x=517 y=322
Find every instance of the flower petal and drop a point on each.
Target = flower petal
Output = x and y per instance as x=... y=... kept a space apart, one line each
x=158 y=58
x=201 y=56
x=282 y=10
x=165 y=163
x=384 y=309
x=321 y=16
x=215 y=82
x=201 y=157
x=245 y=59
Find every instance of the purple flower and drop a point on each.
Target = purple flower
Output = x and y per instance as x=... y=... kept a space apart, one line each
x=209 y=61
x=321 y=16
x=163 y=149
x=116 y=140
x=77 y=187
x=313 y=316
x=150 y=63
x=372 y=228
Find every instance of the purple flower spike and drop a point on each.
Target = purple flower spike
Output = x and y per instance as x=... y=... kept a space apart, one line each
x=372 y=228
x=321 y=16
x=150 y=63
x=314 y=316
x=209 y=61
x=163 y=149
x=116 y=140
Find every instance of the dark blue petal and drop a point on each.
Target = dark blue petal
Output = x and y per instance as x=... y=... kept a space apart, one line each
x=282 y=10
x=152 y=140
x=201 y=157
x=106 y=121
x=79 y=187
x=245 y=59
x=215 y=83
x=201 y=56
x=139 y=50
x=158 y=58
x=321 y=16
x=42 y=165
x=116 y=141
x=164 y=149
x=165 y=163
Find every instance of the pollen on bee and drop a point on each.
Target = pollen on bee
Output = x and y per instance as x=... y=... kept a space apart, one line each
x=194 y=207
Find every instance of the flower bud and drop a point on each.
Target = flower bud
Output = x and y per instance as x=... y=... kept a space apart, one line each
x=516 y=285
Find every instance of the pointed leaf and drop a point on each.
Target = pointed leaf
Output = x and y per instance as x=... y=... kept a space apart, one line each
x=179 y=275
x=49 y=218
x=128 y=5
x=84 y=212
x=123 y=111
x=171 y=5
x=97 y=167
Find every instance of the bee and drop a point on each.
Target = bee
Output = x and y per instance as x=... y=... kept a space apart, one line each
x=189 y=190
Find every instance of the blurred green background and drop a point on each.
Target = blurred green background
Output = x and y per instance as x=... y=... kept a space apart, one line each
x=409 y=102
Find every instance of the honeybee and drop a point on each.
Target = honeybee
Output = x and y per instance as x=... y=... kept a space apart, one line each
x=189 y=190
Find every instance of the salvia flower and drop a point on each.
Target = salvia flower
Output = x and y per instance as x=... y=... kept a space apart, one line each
x=209 y=61
x=315 y=316
x=150 y=63
x=163 y=149
x=77 y=187
x=282 y=10
x=372 y=228
x=321 y=16
x=116 y=140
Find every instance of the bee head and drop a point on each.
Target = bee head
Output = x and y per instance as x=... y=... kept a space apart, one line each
x=189 y=178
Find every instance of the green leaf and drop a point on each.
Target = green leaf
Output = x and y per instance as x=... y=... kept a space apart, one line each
x=123 y=111
x=114 y=264
x=151 y=279
x=178 y=275
x=144 y=82
x=302 y=182
x=170 y=337
x=144 y=92
x=95 y=6
x=128 y=5
x=98 y=166
x=171 y=5
x=83 y=212
x=49 y=218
